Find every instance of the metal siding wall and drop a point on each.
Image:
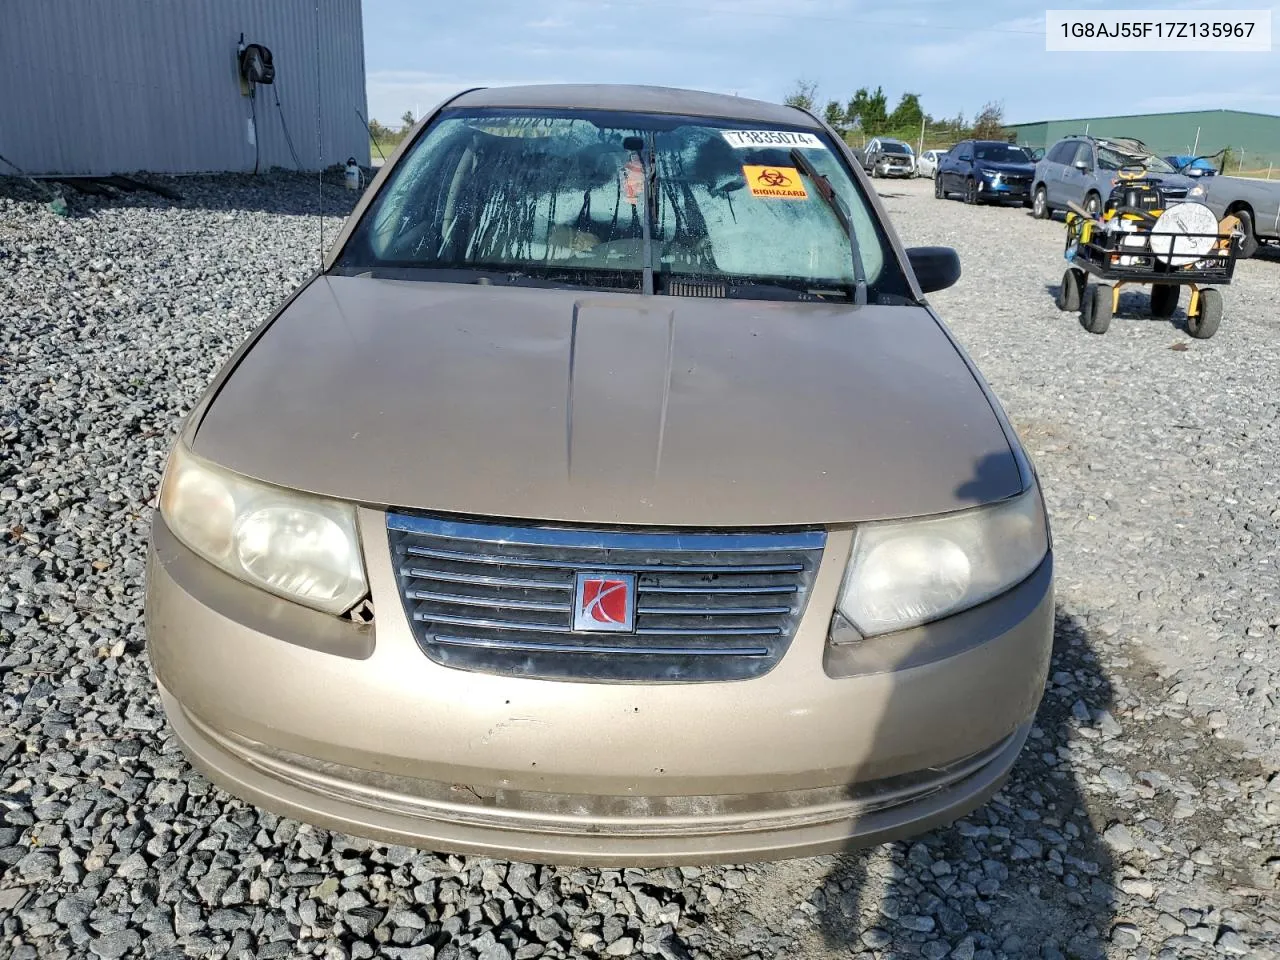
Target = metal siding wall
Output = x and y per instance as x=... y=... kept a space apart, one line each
x=1030 y=134
x=115 y=86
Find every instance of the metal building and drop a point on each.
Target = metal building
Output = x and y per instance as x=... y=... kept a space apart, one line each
x=98 y=87
x=1254 y=138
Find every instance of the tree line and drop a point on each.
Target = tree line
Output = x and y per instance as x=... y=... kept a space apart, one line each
x=866 y=114
x=380 y=133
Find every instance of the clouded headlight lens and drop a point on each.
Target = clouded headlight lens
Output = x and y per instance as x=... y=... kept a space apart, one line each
x=298 y=547
x=1197 y=191
x=905 y=573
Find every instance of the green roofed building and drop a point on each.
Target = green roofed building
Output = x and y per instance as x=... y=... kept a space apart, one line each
x=1253 y=138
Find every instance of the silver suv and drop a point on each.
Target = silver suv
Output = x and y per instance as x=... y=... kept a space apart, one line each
x=885 y=157
x=1085 y=169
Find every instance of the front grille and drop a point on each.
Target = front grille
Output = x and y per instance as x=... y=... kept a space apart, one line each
x=498 y=599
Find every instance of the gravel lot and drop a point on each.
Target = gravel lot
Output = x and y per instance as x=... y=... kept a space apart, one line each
x=1142 y=821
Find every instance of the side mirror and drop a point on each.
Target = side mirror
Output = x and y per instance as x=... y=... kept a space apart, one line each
x=936 y=268
x=1082 y=165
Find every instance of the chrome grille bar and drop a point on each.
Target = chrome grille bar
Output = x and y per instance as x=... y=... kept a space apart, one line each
x=560 y=537
x=717 y=591
x=708 y=632
x=487 y=622
x=454 y=577
x=466 y=601
x=714 y=611
x=516 y=561
x=529 y=646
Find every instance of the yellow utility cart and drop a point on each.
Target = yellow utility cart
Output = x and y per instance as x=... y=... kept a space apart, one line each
x=1135 y=240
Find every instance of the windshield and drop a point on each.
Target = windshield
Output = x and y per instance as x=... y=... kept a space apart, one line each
x=887 y=146
x=1109 y=158
x=1001 y=153
x=540 y=197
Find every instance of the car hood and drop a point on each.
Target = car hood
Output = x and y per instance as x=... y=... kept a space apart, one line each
x=1175 y=180
x=995 y=167
x=608 y=409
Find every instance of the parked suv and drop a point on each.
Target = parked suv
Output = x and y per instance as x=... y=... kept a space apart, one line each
x=1085 y=169
x=985 y=171
x=889 y=158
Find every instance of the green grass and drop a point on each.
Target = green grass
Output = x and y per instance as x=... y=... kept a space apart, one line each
x=387 y=147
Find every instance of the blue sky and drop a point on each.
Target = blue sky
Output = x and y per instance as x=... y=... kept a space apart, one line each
x=957 y=56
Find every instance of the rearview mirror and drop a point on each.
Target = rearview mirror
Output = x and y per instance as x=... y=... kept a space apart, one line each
x=936 y=268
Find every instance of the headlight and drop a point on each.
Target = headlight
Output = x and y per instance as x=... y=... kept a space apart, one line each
x=1197 y=191
x=298 y=547
x=905 y=573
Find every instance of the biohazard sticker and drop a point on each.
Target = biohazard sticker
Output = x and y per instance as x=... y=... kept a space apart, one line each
x=763 y=139
x=781 y=182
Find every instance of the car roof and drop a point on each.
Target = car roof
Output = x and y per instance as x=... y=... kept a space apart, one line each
x=636 y=98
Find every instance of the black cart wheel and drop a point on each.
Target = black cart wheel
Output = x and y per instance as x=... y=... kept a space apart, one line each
x=1205 y=323
x=1249 y=241
x=971 y=191
x=937 y=187
x=1095 y=310
x=1071 y=293
x=1164 y=299
x=1040 y=204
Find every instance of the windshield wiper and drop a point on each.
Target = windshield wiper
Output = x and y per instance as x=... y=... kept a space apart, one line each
x=828 y=194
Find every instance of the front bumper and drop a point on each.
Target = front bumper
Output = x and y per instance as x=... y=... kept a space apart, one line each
x=353 y=728
x=1004 y=191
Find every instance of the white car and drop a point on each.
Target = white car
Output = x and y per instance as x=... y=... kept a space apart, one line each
x=927 y=165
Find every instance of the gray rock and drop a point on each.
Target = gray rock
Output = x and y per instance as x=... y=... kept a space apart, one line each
x=115 y=944
x=1126 y=935
x=918 y=923
x=1232 y=944
x=1119 y=837
x=876 y=938
x=38 y=865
